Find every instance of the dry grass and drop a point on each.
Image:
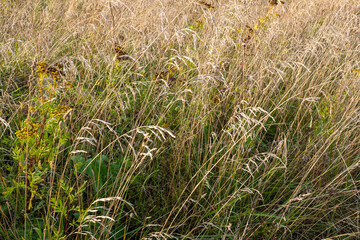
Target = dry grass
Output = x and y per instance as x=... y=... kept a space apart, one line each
x=194 y=127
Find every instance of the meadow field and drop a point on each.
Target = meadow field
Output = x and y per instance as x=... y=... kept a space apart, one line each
x=180 y=119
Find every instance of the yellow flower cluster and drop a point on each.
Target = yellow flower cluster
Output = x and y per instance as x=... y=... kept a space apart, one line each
x=59 y=111
x=69 y=85
x=54 y=71
x=29 y=130
x=42 y=67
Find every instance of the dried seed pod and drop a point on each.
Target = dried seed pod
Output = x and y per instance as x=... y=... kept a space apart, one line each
x=120 y=53
x=251 y=31
x=275 y=2
x=207 y=5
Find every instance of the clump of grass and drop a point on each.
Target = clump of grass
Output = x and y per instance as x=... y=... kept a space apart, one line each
x=190 y=120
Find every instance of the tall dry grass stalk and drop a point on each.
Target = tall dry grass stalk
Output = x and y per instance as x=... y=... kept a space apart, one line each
x=180 y=121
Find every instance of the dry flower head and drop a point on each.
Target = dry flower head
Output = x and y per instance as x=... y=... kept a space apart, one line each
x=120 y=53
x=207 y=5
